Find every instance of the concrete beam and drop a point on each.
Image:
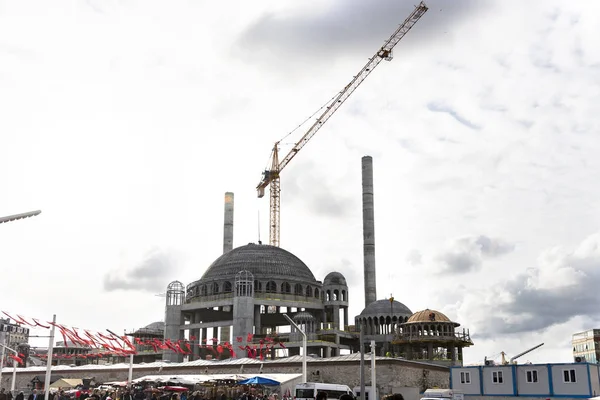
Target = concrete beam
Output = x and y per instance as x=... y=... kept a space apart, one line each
x=201 y=325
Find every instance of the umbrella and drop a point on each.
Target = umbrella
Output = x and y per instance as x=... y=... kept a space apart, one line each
x=258 y=380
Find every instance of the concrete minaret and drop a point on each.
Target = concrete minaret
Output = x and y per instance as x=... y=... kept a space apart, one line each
x=227 y=246
x=368 y=231
x=228 y=223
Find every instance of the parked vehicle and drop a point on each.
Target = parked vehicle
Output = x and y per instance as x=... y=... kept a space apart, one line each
x=445 y=394
x=309 y=390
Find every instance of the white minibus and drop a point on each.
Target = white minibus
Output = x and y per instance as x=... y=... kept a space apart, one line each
x=309 y=390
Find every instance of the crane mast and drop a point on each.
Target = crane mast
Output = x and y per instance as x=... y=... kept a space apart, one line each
x=271 y=177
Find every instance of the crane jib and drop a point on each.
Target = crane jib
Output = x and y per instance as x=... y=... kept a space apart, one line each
x=271 y=177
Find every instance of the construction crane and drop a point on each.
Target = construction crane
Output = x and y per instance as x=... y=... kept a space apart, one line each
x=271 y=177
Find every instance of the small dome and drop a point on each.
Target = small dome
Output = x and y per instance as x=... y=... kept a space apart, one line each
x=304 y=316
x=158 y=326
x=383 y=307
x=335 y=278
x=428 y=316
x=263 y=261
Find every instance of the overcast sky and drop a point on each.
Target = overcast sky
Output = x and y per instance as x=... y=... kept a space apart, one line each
x=126 y=121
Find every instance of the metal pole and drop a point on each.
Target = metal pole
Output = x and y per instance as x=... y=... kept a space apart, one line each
x=14 y=379
x=49 y=360
x=130 y=377
x=373 y=376
x=2 y=341
x=304 y=355
x=14 y=375
x=362 y=364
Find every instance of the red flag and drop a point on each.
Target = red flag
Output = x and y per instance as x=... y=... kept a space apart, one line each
x=17 y=359
x=250 y=336
x=18 y=321
x=239 y=339
x=281 y=344
x=23 y=319
x=39 y=324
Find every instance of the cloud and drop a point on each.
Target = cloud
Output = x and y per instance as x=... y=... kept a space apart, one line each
x=414 y=257
x=151 y=274
x=316 y=192
x=562 y=285
x=344 y=26
x=466 y=254
x=443 y=108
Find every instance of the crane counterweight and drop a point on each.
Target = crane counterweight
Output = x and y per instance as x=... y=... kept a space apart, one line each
x=271 y=177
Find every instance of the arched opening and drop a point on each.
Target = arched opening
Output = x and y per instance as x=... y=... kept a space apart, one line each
x=215 y=288
x=257 y=286
x=286 y=288
x=271 y=287
x=328 y=295
x=227 y=287
x=344 y=295
x=298 y=289
x=336 y=295
x=203 y=290
x=317 y=294
x=308 y=291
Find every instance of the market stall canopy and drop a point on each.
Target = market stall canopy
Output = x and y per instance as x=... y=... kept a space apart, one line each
x=259 y=380
x=66 y=383
x=188 y=379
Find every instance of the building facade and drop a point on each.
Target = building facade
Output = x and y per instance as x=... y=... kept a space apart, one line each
x=570 y=380
x=586 y=346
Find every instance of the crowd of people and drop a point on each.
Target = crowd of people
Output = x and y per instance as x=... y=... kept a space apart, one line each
x=157 y=394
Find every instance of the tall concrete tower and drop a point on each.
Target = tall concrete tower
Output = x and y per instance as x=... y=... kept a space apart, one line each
x=228 y=223
x=243 y=308
x=225 y=335
x=173 y=318
x=368 y=230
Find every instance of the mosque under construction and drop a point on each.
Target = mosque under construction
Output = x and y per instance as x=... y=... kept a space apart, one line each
x=243 y=295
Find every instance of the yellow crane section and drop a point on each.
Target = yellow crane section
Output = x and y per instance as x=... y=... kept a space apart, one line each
x=271 y=177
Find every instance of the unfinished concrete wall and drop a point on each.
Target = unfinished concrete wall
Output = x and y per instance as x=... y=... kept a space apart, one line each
x=391 y=375
x=368 y=231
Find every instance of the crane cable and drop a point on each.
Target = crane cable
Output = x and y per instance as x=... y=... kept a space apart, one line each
x=268 y=165
x=312 y=115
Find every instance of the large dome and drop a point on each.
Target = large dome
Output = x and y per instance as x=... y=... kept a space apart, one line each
x=263 y=261
x=383 y=307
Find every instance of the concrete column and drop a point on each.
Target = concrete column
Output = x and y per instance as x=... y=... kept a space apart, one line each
x=453 y=355
x=430 y=351
x=173 y=319
x=196 y=344
x=204 y=338
x=257 y=324
x=368 y=231
x=460 y=355
x=346 y=317
x=243 y=315
x=336 y=317
x=228 y=223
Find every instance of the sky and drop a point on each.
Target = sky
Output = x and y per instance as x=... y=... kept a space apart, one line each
x=126 y=121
